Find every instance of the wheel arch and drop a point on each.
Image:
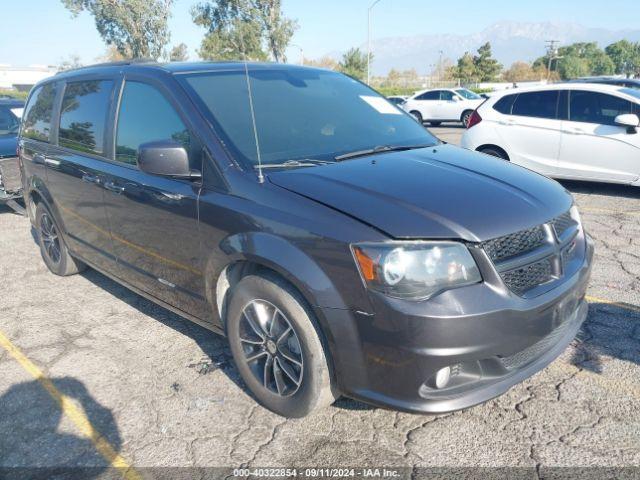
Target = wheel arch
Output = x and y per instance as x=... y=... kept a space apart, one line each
x=486 y=146
x=252 y=252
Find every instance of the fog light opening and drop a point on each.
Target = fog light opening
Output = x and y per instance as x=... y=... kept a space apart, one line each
x=442 y=377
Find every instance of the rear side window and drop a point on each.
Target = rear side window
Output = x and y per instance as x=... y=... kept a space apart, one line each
x=536 y=104
x=594 y=107
x=146 y=116
x=83 y=117
x=429 y=96
x=37 y=115
x=504 y=104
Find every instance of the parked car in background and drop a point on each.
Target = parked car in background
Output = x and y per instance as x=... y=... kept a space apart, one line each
x=443 y=105
x=10 y=184
x=397 y=100
x=348 y=252
x=617 y=81
x=573 y=130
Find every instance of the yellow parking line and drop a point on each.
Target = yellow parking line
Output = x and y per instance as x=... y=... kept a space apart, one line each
x=626 y=306
x=75 y=414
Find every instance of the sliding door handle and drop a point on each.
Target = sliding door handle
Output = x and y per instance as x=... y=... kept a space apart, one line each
x=112 y=187
x=91 y=179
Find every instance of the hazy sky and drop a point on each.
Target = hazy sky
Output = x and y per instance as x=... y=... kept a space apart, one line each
x=43 y=32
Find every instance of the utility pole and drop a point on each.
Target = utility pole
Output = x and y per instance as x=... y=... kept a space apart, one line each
x=552 y=54
x=440 y=66
x=369 y=41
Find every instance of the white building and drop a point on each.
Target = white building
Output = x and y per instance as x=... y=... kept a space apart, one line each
x=23 y=78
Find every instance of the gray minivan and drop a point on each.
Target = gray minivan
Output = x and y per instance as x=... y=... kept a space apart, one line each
x=341 y=248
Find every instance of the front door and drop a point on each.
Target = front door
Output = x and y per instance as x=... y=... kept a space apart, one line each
x=154 y=220
x=593 y=146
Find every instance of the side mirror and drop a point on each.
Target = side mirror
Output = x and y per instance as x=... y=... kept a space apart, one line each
x=455 y=99
x=165 y=158
x=629 y=120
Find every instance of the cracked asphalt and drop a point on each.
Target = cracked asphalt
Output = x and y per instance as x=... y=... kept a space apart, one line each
x=164 y=392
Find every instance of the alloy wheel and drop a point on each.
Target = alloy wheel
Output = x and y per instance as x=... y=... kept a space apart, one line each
x=271 y=348
x=50 y=238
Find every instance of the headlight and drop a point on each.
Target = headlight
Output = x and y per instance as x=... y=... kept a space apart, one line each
x=415 y=270
x=575 y=215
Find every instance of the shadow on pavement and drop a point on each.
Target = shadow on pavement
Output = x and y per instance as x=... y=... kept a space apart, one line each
x=596 y=188
x=215 y=347
x=609 y=331
x=37 y=441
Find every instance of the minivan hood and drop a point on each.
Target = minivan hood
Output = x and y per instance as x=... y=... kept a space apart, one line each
x=437 y=192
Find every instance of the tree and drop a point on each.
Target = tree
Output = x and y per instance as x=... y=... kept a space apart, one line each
x=111 y=55
x=354 y=63
x=465 y=70
x=487 y=67
x=73 y=61
x=247 y=28
x=179 y=53
x=625 y=57
x=240 y=40
x=137 y=28
x=324 y=62
x=579 y=60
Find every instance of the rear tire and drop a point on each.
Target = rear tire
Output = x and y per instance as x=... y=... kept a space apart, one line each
x=53 y=249
x=494 y=152
x=417 y=115
x=466 y=116
x=288 y=373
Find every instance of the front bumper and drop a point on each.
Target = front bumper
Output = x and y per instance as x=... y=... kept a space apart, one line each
x=492 y=338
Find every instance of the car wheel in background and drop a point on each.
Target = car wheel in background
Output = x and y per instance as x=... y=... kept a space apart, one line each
x=466 y=116
x=417 y=115
x=494 y=152
x=277 y=348
x=52 y=247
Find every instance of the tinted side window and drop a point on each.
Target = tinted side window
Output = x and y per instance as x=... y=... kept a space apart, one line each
x=8 y=121
x=430 y=96
x=145 y=116
x=37 y=114
x=536 y=104
x=83 y=117
x=504 y=104
x=600 y=108
x=446 y=95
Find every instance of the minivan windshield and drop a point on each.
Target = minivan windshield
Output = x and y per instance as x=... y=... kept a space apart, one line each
x=300 y=114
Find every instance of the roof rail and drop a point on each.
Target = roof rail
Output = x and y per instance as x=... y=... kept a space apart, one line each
x=133 y=61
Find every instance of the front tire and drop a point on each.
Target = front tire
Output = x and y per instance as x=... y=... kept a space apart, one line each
x=417 y=115
x=277 y=348
x=53 y=249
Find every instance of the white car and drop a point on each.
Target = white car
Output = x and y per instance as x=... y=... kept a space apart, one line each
x=574 y=130
x=443 y=105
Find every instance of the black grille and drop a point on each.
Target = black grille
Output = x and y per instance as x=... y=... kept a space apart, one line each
x=525 y=278
x=562 y=223
x=514 y=244
x=526 y=356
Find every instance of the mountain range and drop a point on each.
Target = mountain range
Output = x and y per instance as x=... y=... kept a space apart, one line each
x=511 y=41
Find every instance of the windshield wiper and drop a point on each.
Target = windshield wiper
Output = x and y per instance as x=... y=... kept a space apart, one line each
x=379 y=149
x=306 y=162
